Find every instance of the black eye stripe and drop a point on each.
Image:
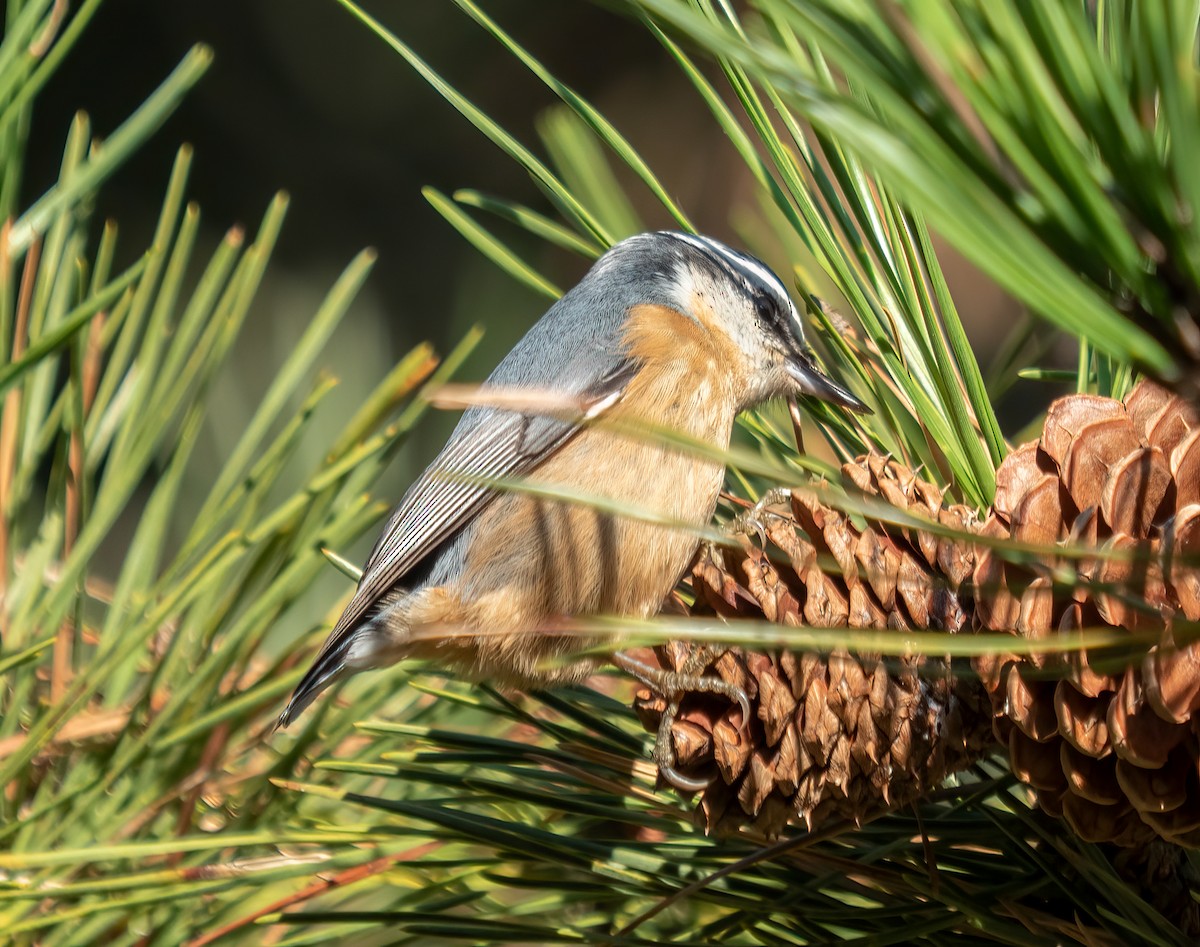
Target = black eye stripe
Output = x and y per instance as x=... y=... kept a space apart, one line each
x=769 y=310
x=765 y=289
x=742 y=268
x=766 y=307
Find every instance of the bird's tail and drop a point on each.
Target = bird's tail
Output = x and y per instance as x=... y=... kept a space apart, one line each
x=329 y=668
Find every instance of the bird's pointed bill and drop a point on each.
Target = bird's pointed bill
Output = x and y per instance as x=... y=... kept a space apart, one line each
x=812 y=381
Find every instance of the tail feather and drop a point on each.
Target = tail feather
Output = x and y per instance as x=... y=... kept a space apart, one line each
x=329 y=668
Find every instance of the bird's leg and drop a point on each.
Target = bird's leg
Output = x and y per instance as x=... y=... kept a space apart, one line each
x=673 y=685
x=752 y=518
x=749 y=521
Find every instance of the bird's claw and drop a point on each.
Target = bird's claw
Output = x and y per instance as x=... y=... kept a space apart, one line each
x=752 y=519
x=664 y=754
x=673 y=685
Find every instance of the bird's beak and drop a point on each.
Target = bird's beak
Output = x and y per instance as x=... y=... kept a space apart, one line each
x=811 y=381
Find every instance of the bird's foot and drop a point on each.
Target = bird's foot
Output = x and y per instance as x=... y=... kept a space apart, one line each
x=753 y=518
x=674 y=685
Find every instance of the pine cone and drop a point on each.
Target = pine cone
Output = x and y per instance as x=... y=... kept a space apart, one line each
x=846 y=735
x=1111 y=747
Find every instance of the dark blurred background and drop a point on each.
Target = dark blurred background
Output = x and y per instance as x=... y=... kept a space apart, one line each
x=302 y=97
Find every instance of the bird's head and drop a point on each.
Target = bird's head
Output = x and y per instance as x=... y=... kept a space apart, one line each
x=736 y=296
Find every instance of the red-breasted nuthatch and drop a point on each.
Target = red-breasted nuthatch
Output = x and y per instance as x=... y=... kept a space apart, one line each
x=667 y=329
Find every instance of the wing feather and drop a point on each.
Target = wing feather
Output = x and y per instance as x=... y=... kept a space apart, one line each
x=489 y=444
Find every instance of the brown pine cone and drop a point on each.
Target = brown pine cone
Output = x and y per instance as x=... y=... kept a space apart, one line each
x=846 y=734
x=1111 y=747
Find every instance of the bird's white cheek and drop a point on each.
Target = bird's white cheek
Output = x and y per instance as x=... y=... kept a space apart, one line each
x=762 y=383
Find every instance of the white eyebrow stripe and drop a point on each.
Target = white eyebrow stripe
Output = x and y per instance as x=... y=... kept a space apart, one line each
x=709 y=247
x=741 y=264
x=734 y=260
x=688 y=238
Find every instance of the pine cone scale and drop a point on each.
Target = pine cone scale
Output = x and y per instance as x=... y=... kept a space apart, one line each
x=1112 y=750
x=1128 y=473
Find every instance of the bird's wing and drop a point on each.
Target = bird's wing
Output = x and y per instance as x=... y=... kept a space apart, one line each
x=489 y=444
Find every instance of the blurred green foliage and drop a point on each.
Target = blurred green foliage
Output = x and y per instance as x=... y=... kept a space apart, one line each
x=146 y=799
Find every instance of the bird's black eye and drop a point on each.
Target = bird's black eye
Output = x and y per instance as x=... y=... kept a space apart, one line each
x=764 y=305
